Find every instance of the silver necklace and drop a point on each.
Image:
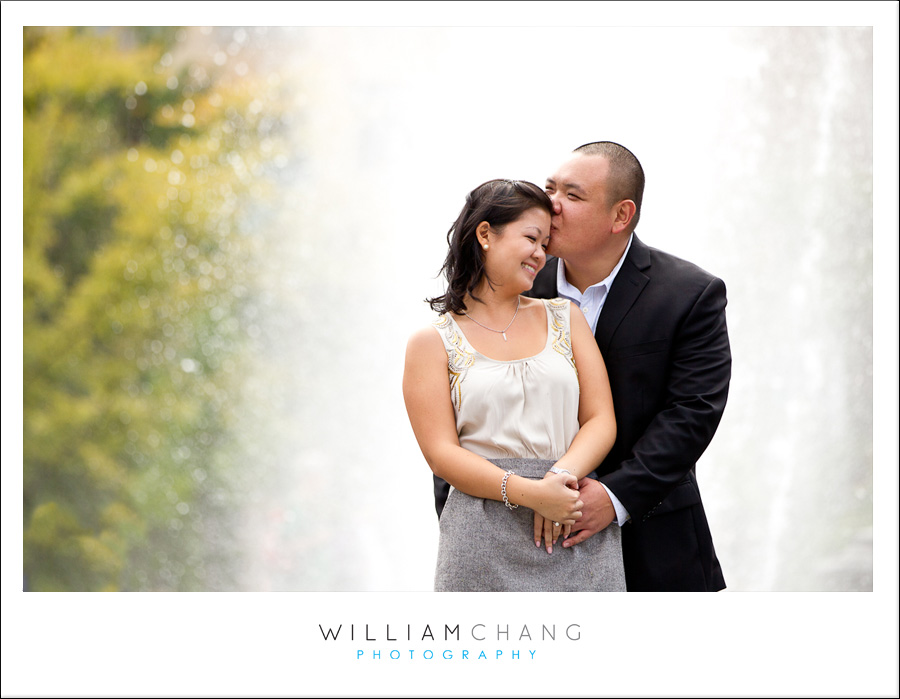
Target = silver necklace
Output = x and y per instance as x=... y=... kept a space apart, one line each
x=502 y=332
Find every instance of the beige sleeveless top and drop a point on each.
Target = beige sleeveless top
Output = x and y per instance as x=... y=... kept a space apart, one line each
x=526 y=408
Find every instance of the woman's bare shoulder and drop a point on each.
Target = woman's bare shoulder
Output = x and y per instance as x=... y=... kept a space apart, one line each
x=425 y=340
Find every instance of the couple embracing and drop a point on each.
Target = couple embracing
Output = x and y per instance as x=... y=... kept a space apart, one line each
x=566 y=390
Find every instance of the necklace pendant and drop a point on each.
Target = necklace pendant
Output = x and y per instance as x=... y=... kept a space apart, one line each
x=502 y=332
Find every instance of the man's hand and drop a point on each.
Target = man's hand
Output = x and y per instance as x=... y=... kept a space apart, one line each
x=598 y=512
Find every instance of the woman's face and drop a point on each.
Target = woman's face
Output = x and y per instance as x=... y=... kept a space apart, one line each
x=519 y=251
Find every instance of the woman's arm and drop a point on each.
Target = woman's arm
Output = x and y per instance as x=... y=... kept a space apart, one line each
x=596 y=417
x=426 y=391
x=595 y=406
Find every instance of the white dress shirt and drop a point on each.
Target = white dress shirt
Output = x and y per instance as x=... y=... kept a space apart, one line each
x=591 y=303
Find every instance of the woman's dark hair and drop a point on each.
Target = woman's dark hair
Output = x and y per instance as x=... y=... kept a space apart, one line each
x=498 y=202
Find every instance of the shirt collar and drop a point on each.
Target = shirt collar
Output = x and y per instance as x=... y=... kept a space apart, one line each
x=563 y=288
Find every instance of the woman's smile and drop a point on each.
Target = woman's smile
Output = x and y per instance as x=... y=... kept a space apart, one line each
x=530 y=268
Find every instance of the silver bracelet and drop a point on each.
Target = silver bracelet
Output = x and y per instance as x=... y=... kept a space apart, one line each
x=554 y=469
x=503 y=490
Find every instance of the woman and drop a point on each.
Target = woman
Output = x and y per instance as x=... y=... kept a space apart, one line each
x=510 y=403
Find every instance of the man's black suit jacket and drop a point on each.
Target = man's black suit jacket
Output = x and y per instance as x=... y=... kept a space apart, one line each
x=663 y=336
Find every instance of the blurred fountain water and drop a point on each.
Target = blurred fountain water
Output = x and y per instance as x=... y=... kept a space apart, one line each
x=757 y=143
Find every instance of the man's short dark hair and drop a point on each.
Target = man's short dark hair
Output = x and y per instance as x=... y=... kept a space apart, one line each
x=626 y=176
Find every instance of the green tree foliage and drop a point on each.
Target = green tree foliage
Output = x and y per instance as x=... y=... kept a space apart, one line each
x=142 y=170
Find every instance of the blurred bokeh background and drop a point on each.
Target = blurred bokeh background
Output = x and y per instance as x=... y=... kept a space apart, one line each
x=229 y=233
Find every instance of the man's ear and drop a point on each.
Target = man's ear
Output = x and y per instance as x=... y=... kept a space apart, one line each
x=625 y=210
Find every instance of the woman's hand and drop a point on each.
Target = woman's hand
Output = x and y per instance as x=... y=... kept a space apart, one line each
x=549 y=531
x=558 y=509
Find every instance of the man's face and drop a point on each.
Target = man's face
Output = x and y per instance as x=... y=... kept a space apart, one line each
x=582 y=220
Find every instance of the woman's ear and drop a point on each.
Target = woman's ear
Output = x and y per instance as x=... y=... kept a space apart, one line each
x=483 y=233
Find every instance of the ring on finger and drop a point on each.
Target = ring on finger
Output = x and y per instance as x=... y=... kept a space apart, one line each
x=556 y=524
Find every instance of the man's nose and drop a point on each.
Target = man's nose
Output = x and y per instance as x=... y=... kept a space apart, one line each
x=557 y=207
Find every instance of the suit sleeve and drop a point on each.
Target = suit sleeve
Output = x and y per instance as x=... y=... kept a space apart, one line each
x=691 y=407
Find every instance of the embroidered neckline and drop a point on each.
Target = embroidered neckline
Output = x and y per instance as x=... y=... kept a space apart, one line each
x=461 y=354
x=459 y=359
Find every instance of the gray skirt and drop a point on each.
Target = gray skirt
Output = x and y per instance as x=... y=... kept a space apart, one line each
x=486 y=547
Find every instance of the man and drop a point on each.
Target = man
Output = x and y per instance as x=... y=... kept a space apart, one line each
x=660 y=324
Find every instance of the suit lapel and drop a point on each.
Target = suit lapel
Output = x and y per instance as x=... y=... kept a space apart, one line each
x=627 y=286
x=545 y=284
